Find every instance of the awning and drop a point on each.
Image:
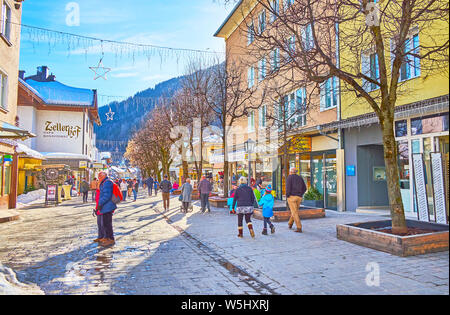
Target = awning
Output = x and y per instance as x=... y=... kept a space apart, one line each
x=8 y=131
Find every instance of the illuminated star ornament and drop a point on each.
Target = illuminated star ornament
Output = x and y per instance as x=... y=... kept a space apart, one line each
x=110 y=115
x=100 y=71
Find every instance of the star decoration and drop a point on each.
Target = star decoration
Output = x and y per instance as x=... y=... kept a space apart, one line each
x=110 y=115
x=100 y=71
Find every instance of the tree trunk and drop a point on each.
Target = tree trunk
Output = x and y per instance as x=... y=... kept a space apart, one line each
x=185 y=170
x=392 y=176
x=225 y=179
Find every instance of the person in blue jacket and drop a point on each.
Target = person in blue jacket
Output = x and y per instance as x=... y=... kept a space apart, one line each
x=105 y=208
x=267 y=202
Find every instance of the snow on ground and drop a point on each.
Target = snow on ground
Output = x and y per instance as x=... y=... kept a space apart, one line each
x=33 y=197
x=9 y=285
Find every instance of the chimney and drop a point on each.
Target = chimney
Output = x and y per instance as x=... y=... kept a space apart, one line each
x=42 y=73
x=22 y=74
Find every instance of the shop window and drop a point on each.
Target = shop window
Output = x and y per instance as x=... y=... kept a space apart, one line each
x=401 y=128
x=7 y=176
x=429 y=124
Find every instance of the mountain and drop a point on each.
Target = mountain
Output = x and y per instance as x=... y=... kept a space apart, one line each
x=113 y=135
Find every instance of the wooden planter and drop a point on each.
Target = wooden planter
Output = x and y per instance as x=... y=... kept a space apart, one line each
x=366 y=234
x=176 y=192
x=281 y=214
x=312 y=203
x=218 y=202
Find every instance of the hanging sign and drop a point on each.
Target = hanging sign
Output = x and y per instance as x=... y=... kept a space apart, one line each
x=423 y=212
x=440 y=205
x=82 y=164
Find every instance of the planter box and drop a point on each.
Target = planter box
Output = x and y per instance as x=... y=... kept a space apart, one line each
x=312 y=203
x=281 y=214
x=176 y=192
x=218 y=202
x=366 y=234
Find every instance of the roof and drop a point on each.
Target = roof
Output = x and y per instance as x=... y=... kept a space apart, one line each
x=56 y=93
x=235 y=18
x=25 y=151
x=8 y=131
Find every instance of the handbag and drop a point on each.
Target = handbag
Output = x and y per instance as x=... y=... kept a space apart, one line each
x=180 y=198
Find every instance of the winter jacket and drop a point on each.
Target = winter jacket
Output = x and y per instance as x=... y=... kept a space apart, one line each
x=267 y=202
x=186 y=192
x=204 y=187
x=244 y=197
x=105 y=204
x=257 y=194
x=295 y=186
x=166 y=186
x=84 y=187
x=149 y=182
x=123 y=186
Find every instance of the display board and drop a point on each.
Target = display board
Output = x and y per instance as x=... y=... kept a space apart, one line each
x=51 y=195
x=440 y=204
x=423 y=212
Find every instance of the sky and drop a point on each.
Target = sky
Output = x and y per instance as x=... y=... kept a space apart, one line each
x=171 y=23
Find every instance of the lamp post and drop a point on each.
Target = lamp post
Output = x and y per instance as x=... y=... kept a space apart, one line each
x=249 y=147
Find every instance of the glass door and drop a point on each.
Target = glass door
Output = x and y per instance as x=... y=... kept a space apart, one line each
x=330 y=181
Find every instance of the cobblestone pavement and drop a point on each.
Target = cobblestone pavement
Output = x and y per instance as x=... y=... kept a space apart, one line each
x=175 y=253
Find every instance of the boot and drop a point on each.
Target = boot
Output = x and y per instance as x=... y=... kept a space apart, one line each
x=107 y=242
x=250 y=228
x=264 y=232
x=272 y=229
x=299 y=230
x=240 y=232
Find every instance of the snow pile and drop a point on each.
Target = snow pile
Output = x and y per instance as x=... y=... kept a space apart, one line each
x=33 y=197
x=9 y=285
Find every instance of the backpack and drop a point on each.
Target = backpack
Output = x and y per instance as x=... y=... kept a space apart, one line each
x=117 y=196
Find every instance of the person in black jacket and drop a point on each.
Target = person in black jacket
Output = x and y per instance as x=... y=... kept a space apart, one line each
x=244 y=200
x=295 y=189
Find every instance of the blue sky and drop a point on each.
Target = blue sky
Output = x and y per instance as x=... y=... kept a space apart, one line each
x=172 y=23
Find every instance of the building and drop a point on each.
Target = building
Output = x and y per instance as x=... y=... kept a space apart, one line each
x=63 y=118
x=318 y=155
x=10 y=18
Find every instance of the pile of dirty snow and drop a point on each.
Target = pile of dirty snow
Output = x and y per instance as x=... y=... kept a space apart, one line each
x=33 y=197
x=9 y=285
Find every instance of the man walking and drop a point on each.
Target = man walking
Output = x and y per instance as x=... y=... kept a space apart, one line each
x=94 y=187
x=204 y=189
x=105 y=209
x=84 y=189
x=165 y=186
x=295 y=189
x=149 y=183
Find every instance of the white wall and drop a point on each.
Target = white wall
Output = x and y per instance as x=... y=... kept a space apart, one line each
x=27 y=121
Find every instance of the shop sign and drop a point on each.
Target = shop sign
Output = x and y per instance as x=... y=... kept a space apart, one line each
x=420 y=188
x=82 y=164
x=297 y=144
x=7 y=158
x=438 y=188
x=51 y=195
x=97 y=165
x=351 y=170
x=59 y=130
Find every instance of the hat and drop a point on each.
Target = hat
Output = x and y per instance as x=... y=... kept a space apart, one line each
x=269 y=189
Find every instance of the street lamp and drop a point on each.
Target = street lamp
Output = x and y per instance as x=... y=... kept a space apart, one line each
x=249 y=147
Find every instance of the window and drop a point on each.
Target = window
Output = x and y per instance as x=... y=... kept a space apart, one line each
x=290 y=47
x=262 y=21
x=251 y=121
x=262 y=69
x=293 y=106
x=329 y=93
x=5 y=29
x=288 y=3
x=410 y=67
x=275 y=10
x=401 y=128
x=301 y=106
x=429 y=124
x=275 y=59
x=3 y=91
x=251 y=77
x=250 y=33
x=371 y=69
x=307 y=37
x=263 y=117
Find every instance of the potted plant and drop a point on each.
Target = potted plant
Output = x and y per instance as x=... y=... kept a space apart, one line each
x=313 y=198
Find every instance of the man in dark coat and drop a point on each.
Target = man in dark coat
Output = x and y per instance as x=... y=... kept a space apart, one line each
x=165 y=186
x=295 y=189
x=149 y=183
x=204 y=188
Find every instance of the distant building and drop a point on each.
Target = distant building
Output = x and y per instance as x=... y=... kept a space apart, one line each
x=63 y=118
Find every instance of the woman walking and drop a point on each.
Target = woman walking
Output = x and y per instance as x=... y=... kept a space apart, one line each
x=124 y=188
x=244 y=201
x=186 y=193
x=135 y=189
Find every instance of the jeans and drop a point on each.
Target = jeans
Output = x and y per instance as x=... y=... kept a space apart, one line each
x=150 y=190
x=101 y=230
x=107 y=225
x=267 y=222
x=85 y=196
x=124 y=194
x=204 y=199
x=135 y=194
x=294 y=204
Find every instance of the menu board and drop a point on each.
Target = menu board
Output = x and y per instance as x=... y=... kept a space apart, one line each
x=51 y=194
x=423 y=212
x=440 y=204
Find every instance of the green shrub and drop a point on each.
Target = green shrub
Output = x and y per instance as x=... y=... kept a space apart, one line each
x=313 y=194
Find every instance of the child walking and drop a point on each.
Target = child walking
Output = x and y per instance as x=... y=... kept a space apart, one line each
x=267 y=202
